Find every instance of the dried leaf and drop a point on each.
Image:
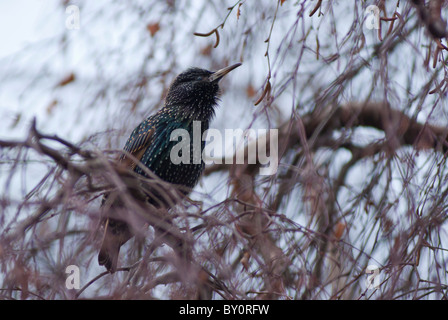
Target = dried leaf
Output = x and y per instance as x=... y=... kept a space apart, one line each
x=51 y=106
x=238 y=12
x=339 y=230
x=318 y=5
x=207 y=50
x=153 y=28
x=66 y=80
x=250 y=91
x=245 y=260
x=267 y=90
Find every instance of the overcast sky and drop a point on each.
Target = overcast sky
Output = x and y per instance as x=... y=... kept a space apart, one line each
x=104 y=55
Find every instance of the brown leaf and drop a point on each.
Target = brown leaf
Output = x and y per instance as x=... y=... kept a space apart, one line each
x=339 y=230
x=65 y=81
x=153 y=28
x=250 y=91
x=245 y=260
x=238 y=12
x=267 y=90
x=319 y=3
x=207 y=50
x=51 y=106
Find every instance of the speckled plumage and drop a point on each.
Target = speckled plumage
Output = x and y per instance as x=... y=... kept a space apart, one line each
x=192 y=96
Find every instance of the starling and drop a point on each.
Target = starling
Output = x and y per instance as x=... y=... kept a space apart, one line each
x=192 y=96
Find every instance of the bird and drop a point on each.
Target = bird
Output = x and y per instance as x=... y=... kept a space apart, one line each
x=192 y=96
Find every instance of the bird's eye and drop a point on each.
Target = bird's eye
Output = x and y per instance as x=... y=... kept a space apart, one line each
x=199 y=78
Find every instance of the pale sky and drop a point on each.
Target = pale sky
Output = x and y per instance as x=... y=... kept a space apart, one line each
x=21 y=24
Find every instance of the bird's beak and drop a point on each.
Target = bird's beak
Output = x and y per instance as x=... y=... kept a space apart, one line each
x=217 y=75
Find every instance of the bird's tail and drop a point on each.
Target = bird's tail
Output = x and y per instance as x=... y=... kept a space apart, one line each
x=108 y=256
x=110 y=247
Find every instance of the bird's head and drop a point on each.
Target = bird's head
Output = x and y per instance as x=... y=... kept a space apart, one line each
x=196 y=88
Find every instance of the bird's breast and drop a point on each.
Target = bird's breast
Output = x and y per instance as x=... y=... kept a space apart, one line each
x=175 y=160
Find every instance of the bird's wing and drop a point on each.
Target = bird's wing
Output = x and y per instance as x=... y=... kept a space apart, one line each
x=137 y=143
